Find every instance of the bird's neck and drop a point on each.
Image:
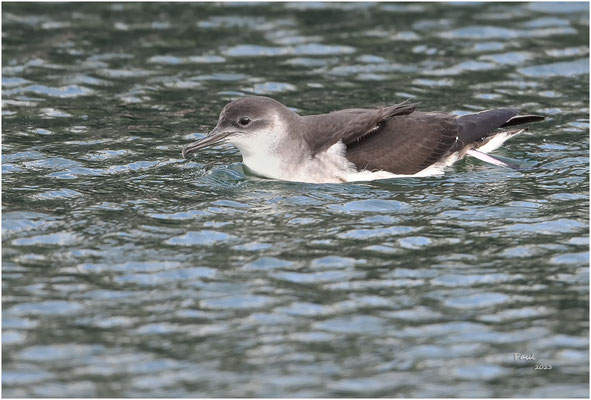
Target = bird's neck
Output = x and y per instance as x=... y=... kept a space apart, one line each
x=273 y=157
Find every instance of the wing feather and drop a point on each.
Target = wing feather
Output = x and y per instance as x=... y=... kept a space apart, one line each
x=406 y=144
x=350 y=125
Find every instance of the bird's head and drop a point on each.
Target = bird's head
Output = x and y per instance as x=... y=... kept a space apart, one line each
x=252 y=124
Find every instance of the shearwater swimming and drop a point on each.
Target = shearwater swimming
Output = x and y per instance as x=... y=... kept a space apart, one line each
x=357 y=144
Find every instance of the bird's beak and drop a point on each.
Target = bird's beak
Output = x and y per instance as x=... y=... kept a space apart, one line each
x=212 y=137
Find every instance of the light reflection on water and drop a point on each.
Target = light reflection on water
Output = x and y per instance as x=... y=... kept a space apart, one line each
x=128 y=271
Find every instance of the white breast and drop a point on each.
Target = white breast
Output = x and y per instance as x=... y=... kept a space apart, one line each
x=260 y=155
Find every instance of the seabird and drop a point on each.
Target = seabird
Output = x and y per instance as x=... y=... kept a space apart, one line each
x=357 y=144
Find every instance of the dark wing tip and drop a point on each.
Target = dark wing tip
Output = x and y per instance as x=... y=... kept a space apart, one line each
x=522 y=119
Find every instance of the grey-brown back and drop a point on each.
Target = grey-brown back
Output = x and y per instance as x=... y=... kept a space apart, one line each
x=401 y=140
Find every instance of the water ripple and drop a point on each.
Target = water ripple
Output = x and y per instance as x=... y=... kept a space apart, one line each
x=49 y=307
x=566 y=68
x=247 y=50
x=204 y=237
x=66 y=92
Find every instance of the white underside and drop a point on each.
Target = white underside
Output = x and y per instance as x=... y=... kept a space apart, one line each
x=497 y=141
x=331 y=166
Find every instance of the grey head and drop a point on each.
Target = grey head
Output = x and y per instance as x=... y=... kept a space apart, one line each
x=254 y=124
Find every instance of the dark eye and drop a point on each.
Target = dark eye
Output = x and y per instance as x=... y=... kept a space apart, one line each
x=244 y=121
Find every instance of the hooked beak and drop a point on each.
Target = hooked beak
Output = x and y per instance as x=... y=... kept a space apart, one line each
x=212 y=137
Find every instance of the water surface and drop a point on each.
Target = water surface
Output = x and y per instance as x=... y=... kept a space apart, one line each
x=128 y=271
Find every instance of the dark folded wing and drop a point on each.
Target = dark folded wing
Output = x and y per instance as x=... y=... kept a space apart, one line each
x=406 y=144
x=348 y=125
x=473 y=127
x=522 y=119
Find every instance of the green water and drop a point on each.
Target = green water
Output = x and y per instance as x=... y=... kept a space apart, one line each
x=128 y=271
